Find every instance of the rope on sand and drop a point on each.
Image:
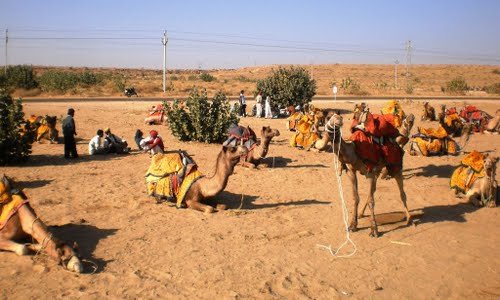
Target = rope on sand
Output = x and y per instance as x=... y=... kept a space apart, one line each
x=345 y=213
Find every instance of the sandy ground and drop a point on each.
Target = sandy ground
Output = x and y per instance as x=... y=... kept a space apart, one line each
x=268 y=249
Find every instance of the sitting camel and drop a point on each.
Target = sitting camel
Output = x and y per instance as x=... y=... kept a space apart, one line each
x=352 y=163
x=475 y=178
x=493 y=126
x=428 y=113
x=45 y=128
x=18 y=220
x=451 y=121
x=192 y=187
x=256 y=154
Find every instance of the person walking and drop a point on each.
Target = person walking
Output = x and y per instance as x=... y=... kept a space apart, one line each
x=69 y=132
x=243 y=104
x=268 y=112
x=258 y=105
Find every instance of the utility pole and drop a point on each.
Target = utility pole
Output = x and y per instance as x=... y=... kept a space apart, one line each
x=408 y=61
x=164 y=41
x=396 y=74
x=6 y=42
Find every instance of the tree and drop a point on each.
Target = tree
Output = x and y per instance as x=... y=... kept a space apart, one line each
x=199 y=119
x=288 y=86
x=15 y=142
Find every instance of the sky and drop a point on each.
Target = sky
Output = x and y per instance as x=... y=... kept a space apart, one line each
x=234 y=34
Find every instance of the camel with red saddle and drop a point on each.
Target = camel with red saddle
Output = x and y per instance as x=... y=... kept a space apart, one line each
x=18 y=221
x=356 y=156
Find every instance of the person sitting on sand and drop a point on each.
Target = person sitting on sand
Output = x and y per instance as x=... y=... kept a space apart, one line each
x=114 y=144
x=153 y=143
x=95 y=145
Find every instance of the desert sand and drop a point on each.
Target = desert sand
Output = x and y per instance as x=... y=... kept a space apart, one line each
x=267 y=244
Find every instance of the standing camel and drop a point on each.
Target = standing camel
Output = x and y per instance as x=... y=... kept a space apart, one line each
x=255 y=156
x=24 y=222
x=346 y=153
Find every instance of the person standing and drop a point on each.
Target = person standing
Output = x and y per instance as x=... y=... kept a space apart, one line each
x=69 y=132
x=243 y=104
x=268 y=112
x=258 y=105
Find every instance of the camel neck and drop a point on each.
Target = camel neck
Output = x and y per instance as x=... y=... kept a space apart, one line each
x=217 y=183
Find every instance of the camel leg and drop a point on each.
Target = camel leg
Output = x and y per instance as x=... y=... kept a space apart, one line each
x=37 y=229
x=354 y=210
x=8 y=245
x=371 y=204
x=399 y=180
x=199 y=206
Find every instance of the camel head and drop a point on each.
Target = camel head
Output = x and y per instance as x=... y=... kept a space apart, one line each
x=68 y=256
x=268 y=133
x=408 y=122
x=490 y=165
x=5 y=187
x=233 y=154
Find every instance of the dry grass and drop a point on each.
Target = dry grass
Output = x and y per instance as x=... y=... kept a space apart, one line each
x=374 y=80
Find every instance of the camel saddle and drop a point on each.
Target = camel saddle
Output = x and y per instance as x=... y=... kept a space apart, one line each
x=432 y=141
x=304 y=135
x=374 y=136
x=479 y=119
x=10 y=202
x=241 y=135
x=170 y=176
x=470 y=169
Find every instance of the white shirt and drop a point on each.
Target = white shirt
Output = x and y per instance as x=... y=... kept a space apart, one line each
x=94 y=144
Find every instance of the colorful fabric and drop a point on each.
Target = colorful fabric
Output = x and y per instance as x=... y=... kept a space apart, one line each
x=376 y=125
x=170 y=176
x=432 y=141
x=305 y=136
x=293 y=119
x=378 y=151
x=471 y=169
x=9 y=204
x=452 y=118
x=41 y=131
x=394 y=108
x=241 y=135
x=476 y=117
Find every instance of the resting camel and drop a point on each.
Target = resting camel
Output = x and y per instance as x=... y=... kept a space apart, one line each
x=428 y=113
x=208 y=187
x=23 y=223
x=352 y=163
x=45 y=127
x=484 y=190
x=493 y=126
x=452 y=122
x=255 y=156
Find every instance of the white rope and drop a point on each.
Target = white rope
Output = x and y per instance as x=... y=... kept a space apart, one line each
x=345 y=213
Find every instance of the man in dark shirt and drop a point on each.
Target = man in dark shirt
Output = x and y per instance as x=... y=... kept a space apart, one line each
x=69 y=132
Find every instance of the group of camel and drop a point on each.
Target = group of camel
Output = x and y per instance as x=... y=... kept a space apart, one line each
x=25 y=221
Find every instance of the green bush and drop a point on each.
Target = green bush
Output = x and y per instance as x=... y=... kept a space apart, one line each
x=493 y=89
x=15 y=145
x=288 y=86
x=88 y=78
x=120 y=83
x=199 y=119
x=58 y=81
x=457 y=86
x=207 y=77
x=192 y=77
x=21 y=76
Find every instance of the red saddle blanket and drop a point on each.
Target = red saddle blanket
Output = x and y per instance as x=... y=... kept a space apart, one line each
x=377 y=125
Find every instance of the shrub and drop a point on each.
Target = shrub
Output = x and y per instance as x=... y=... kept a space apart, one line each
x=200 y=120
x=457 y=86
x=88 y=78
x=207 y=77
x=496 y=71
x=493 y=89
x=21 y=76
x=288 y=86
x=58 y=81
x=120 y=82
x=192 y=77
x=15 y=144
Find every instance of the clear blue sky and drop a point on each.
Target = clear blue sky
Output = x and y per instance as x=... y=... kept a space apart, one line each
x=233 y=34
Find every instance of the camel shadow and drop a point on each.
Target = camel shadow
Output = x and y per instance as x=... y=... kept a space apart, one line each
x=39 y=160
x=87 y=237
x=236 y=201
x=443 y=171
x=430 y=214
x=32 y=184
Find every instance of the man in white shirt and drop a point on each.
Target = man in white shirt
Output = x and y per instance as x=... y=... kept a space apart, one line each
x=95 y=146
x=258 y=105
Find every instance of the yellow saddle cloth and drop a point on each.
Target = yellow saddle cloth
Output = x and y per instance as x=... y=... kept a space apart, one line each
x=394 y=108
x=471 y=168
x=9 y=205
x=170 y=176
x=304 y=136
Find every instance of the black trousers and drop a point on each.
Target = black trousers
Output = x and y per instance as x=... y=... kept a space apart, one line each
x=243 y=110
x=70 y=146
